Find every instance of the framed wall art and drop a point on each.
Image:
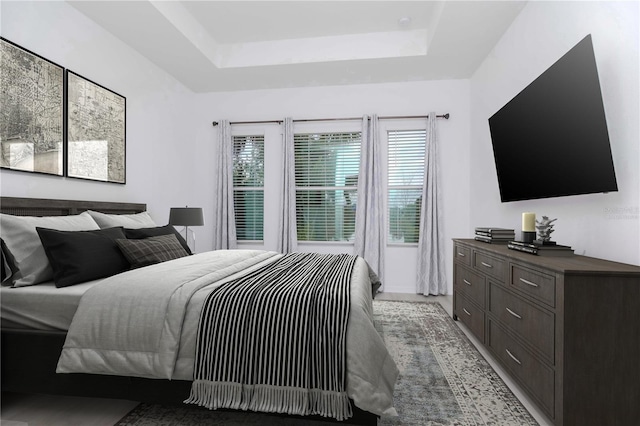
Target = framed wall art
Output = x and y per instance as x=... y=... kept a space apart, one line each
x=32 y=112
x=96 y=131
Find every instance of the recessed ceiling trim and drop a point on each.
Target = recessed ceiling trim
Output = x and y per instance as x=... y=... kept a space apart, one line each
x=380 y=45
x=178 y=16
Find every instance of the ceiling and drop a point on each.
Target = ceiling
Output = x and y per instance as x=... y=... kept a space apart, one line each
x=244 y=45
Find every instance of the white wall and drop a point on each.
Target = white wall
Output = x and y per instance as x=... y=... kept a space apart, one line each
x=412 y=98
x=598 y=225
x=160 y=155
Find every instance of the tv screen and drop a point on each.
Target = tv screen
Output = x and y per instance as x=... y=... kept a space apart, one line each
x=551 y=140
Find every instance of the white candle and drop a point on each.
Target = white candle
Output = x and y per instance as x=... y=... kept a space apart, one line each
x=529 y=222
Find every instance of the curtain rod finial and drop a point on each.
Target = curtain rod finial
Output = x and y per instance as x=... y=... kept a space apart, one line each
x=214 y=124
x=446 y=116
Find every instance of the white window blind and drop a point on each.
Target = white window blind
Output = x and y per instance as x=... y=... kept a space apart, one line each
x=326 y=185
x=406 y=179
x=248 y=187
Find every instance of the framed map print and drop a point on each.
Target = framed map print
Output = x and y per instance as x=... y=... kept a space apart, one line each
x=96 y=131
x=31 y=112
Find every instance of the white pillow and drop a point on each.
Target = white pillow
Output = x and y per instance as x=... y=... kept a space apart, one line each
x=130 y=221
x=22 y=240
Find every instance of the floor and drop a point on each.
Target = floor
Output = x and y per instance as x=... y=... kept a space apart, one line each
x=46 y=410
x=42 y=410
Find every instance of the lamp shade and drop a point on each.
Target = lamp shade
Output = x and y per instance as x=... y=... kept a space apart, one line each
x=186 y=216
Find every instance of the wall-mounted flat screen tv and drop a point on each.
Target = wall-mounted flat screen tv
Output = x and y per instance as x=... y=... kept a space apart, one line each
x=551 y=140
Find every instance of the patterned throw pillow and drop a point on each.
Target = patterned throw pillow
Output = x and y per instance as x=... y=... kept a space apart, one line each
x=136 y=234
x=148 y=251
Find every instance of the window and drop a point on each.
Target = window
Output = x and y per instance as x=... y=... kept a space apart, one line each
x=248 y=187
x=326 y=185
x=406 y=179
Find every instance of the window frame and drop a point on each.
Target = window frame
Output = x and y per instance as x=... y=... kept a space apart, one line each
x=324 y=127
x=251 y=131
x=384 y=127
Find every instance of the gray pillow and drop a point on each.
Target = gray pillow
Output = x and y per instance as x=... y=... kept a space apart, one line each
x=131 y=221
x=148 y=251
x=22 y=241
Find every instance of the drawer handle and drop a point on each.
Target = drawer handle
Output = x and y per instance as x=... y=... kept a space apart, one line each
x=528 y=282
x=466 y=282
x=461 y=254
x=513 y=313
x=486 y=265
x=513 y=357
x=466 y=312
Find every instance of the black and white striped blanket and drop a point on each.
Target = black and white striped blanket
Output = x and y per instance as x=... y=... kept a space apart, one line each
x=275 y=340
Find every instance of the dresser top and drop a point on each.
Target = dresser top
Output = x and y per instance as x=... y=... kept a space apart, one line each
x=565 y=264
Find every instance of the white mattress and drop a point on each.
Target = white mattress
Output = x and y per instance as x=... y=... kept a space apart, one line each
x=41 y=306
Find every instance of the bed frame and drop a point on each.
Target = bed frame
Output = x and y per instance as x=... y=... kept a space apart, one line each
x=29 y=357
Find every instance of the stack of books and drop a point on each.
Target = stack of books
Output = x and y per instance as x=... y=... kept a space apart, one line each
x=541 y=249
x=495 y=235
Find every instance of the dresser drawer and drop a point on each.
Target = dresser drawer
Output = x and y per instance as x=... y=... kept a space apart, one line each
x=533 y=374
x=470 y=315
x=490 y=265
x=530 y=323
x=534 y=283
x=462 y=254
x=471 y=284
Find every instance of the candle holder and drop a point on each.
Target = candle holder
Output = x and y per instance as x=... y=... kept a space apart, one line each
x=528 y=227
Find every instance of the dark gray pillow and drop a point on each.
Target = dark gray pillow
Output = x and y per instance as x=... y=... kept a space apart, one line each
x=140 y=233
x=79 y=256
x=148 y=251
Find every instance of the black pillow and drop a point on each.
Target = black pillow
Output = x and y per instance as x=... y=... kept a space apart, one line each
x=8 y=263
x=137 y=234
x=79 y=256
x=148 y=251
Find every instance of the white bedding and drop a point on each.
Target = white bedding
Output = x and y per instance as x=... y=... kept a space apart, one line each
x=42 y=306
x=132 y=325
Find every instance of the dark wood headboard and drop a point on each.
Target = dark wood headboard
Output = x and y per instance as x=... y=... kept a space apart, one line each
x=46 y=207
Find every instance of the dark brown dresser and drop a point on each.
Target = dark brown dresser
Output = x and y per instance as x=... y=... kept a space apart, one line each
x=567 y=329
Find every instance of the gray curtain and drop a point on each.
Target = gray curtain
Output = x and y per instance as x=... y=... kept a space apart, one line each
x=224 y=234
x=431 y=255
x=370 y=225
x=287 y=229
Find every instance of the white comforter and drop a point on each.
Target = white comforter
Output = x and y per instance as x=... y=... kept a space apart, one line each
x=143 y=323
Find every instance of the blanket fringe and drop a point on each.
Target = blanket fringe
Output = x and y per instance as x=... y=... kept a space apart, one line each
x=271 y=399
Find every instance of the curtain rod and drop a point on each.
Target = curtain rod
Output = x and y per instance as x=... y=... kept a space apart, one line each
x=396 y=117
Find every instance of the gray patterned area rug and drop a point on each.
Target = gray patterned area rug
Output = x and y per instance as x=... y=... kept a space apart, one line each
x=444 y=380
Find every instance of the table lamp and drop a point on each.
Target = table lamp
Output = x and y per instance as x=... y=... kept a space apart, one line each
x=187 y=216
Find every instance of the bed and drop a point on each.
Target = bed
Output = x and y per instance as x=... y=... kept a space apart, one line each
x=38 y=319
